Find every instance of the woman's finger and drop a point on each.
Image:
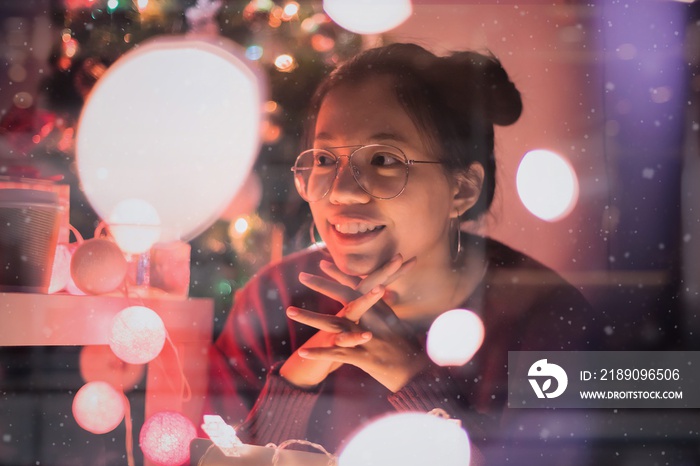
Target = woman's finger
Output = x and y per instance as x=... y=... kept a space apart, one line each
x=318 y=321
x=357 y=308
x=333 y=353
x=332 y=270
x=352 y=339
x=381 y=275
x=328 y=287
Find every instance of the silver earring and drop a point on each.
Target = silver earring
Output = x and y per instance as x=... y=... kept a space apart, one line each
x=456 y=250
x=312 y=232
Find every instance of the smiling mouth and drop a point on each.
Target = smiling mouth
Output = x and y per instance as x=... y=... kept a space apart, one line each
x=356 y=228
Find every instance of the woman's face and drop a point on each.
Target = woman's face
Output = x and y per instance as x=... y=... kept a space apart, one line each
x=363 y=232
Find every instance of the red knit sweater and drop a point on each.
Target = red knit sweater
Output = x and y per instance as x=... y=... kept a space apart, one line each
x=523 y=304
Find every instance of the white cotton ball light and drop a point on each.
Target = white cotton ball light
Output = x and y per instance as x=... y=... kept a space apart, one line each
x=368 y=16
x=98 y=407
x=454 y=337
x=99 y=363
x=165 y=438
x=408 y=439
x=98 y=266
x=137 y=335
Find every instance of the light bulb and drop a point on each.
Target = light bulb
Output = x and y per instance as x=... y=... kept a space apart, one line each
x=135 y=225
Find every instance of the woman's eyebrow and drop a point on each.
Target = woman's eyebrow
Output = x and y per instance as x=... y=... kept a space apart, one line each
x=383 y=136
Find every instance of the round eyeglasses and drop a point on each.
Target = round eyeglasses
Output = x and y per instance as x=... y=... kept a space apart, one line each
x=379 y=169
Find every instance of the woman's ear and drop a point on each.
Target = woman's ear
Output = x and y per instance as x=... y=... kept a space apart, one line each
x=468 y=188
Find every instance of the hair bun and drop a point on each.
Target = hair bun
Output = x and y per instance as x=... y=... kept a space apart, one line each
x=489 y=83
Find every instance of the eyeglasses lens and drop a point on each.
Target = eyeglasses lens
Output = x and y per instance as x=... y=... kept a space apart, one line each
x=381 y=171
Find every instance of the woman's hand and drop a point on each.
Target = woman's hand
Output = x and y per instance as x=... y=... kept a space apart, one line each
x=307 y=373
x=367 y=334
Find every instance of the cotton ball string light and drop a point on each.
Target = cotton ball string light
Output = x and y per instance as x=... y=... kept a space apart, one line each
x=368 y=16
x=165 y=438
x=408 y=439
x=98 y=407
x=98 y=266
x=99 y=363
x=137 y=335
x=454 y=337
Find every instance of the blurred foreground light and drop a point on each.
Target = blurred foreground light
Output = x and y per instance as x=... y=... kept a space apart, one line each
x=408 y=439
x=285 y=63
x=240 y=225
x=368 y=16
x=98 y=407
x=175 y=123
x=137 y=335
x=547 y=185
x=454 y=337
x=165 y=438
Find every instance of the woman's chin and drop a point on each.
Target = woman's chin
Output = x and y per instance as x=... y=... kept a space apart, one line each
x=356 y=265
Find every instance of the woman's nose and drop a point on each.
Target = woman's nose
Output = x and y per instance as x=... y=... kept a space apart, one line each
x=345 y=189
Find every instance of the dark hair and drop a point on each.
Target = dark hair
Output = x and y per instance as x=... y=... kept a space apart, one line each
x=454 y=101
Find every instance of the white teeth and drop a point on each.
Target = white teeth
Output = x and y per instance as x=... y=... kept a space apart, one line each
x=354 y=228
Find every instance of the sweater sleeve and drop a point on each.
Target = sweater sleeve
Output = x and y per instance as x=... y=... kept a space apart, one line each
x=281 y=412
x=245 y=387
x=434 y=388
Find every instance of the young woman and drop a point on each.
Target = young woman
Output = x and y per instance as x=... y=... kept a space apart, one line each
x=400 y=152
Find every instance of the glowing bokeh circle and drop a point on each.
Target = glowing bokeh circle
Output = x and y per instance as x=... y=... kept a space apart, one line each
x=175 y=124
x=408 y=439
x=547 y=185
x=454 y=337
x=368 y=16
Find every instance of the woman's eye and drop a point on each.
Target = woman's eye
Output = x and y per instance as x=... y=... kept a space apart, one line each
x=323 y=160
x=384 y=159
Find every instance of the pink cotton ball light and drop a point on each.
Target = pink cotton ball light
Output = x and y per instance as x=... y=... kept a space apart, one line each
x=137 y=335
x=98 y=407
x=165 y=438
x=98 y=266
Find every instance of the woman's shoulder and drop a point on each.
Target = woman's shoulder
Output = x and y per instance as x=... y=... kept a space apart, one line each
x=507 y=261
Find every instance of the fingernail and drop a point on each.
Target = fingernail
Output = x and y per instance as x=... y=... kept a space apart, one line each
x=292 y=312
x=377 y=289
x=303 y=352
x=397 y=257
x=304 y=275
x=366 y=335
